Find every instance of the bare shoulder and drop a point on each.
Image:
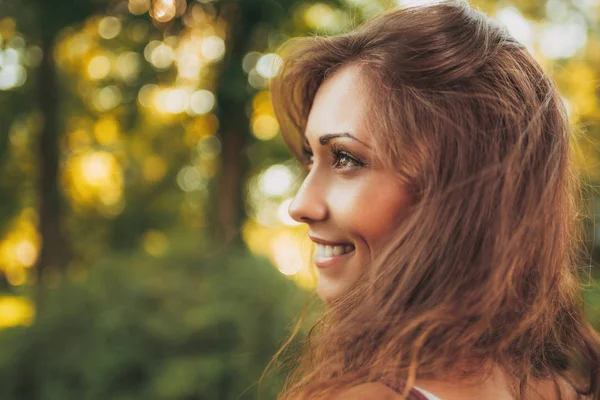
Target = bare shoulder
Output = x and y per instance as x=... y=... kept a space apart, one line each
x=546 y=389
x=368 y=391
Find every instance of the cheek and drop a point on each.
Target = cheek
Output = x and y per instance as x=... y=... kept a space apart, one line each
x=370 y=208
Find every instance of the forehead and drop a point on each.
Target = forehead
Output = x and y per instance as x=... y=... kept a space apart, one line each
x=340 y=105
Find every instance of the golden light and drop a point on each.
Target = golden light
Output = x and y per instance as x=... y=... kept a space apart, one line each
x=19 y=248
x=147 y=95
x=109 y=27
x=78 y=139
x=96 y=168
x=155 y=243
x=16 y=276
x=128 y=65
x=199 y=127
x=108 y=98
x=149 y=49
x=276 y=180
x=213 y=48
x=15 y=311
x=190 y=179
x=139 y=7
x=73 y=48
x=164 y=10
x=286 y=254
x=261 y=103
x=106 y=130
x=8 y=26
x=268 y=66
x=99 y=67
x=95 y=179
x=154 y=168
x=26 y=252
x=172 y=101
x=162 y=56
x=188 y=66
x=202 y=102
x=288 y=248
x=265 y=126
x=580 y=80
x=321 y=16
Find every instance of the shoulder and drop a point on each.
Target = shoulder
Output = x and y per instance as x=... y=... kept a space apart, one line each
x=368 y=391
x=546 y=389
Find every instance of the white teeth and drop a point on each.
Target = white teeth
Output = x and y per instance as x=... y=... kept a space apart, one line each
x=320 y=251
x=330 y=251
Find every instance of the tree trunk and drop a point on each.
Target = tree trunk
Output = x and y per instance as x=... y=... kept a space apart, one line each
x=228 y=200
x=55 y=251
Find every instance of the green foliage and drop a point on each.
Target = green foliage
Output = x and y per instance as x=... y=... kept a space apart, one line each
x=187 y=326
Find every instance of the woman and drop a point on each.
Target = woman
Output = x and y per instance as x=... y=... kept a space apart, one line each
x=440 y=196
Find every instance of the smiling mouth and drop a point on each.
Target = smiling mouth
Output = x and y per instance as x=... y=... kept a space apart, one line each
x=328 y=256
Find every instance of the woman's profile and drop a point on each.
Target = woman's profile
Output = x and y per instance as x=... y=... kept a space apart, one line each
x=441 y=198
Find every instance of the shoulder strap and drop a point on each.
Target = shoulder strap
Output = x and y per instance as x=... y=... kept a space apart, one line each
x=398 y=386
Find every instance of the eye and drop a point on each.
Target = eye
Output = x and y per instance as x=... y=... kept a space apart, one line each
x=344 y=160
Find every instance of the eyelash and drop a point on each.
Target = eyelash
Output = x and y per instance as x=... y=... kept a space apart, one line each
x=338 y=152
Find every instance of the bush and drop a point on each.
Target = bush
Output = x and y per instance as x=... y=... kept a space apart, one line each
x=187 y=326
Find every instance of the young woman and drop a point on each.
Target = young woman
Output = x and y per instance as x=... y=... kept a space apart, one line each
x=440 y=196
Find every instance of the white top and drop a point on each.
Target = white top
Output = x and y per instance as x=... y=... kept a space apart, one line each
x=429 y=396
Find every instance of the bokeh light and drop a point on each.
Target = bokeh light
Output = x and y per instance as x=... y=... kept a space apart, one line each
x=202 y=102
x=155 y=243
x=12 y=76
x=128 y=65
x=276 y=180
x=563 y=40
x=99 y=67
x=139 y=7
x=16 y=311
x=213 y=48
x=164 y=10
x=517 y=25
x=109 y=27
x=268 y=66
x=107 y=98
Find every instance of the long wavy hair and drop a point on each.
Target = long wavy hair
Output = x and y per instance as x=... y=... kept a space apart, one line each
x=484 y=268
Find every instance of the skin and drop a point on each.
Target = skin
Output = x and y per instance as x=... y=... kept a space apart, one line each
x=347 y=197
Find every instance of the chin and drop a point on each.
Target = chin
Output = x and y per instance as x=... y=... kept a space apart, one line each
x=329 y=291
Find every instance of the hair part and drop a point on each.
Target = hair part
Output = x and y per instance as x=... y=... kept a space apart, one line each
x=484 y=267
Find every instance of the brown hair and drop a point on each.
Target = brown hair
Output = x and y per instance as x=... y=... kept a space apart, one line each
x=484 y=267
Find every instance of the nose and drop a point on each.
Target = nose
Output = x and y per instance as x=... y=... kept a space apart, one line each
x=309 y=205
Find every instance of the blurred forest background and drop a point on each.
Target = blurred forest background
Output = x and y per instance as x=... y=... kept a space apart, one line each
x=145 y=246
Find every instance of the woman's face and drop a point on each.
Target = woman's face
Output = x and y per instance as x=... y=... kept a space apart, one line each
x=349 y=201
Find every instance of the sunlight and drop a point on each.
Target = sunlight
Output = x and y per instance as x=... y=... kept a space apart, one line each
x=276 y=180
x=213 y=48
x=15 y=311
x=518 y=26
x=164 y=10
x=99 y=67
x=109 y=28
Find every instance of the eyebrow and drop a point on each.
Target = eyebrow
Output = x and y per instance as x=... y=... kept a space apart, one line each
x=325 y=139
